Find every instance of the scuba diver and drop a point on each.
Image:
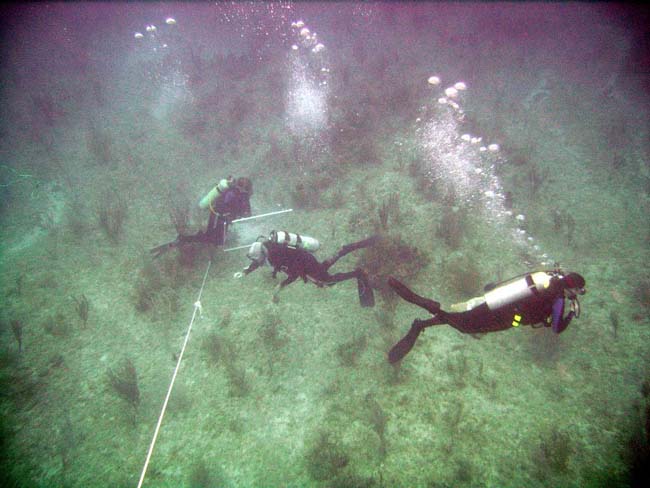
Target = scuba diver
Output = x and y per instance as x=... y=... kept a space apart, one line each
x=530 y=299
x=292 y=254
x=227 y=201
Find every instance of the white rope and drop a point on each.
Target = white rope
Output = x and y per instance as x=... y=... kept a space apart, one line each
x=278 y=212
x=197 y=306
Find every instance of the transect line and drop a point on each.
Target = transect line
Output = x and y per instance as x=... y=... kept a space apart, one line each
x=277 y=212
x=197 y=307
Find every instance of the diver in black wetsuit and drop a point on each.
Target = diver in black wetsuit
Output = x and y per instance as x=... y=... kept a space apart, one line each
x=227 y=201
x=292 y=254
x=529 y=299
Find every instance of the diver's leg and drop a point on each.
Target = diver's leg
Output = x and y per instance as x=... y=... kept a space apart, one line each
x=366 y=295
x=403 y=291
x=287 y=281
x=220 y=229
x=348 y=248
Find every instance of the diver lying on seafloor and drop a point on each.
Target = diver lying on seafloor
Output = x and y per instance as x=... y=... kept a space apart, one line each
x=227 y=201
x=292 y=254
x=533 y=298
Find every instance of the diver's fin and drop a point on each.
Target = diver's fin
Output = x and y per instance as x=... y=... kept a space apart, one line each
x=366 y=296
x=405 y=344
x=348 y=248
x=411 y=297
x=180 y=239
x=158 y=251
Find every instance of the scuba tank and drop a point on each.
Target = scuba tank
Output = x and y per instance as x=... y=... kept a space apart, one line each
x=518 y=288
x=220 y=187
x=294 y=240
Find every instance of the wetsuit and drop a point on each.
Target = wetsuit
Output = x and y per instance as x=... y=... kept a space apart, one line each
x=300 y=263
x=545 y=307
x=230 y=205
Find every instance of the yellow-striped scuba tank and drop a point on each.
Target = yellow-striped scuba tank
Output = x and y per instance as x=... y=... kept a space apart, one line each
x=296 y=241
x=223 y=185
x=519 y=288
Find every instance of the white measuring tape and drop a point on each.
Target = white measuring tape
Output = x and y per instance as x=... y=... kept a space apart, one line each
x=197 y=307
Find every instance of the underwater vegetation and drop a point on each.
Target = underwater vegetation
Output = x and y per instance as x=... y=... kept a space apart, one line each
x=202 y=476
x=222 y=353
x=112 y=211
x=564 y=224
x=451 y=228
x=82 y=306
x=641 y=294
x=463 y=276
x=391 y=256
x=156 y=289
x=123 y=380
x=553 y=453
x=325 y=458
x=58 y=325
x=109 y=153
x=99 y=145
x=349 y=352
x=17 y=330
x=179 y=209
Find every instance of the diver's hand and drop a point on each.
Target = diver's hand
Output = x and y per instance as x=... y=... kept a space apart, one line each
x=238 y=275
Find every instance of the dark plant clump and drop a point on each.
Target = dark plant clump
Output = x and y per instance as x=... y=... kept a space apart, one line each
x=124 y=381
x=111 y=213
x=452 y=227
x=20 y=384
x=564 y=224
x=156 y=291
x=179 y=210
x=389 y=213
x=82 y=306
x=642 y=294
x=220 y=352
x=270 y=332
x=57 y=325
x=325 y=459
x=385 y=314
x=463 y=276
x=615 y=322
x=535 y=179
x=216 y=349
x=17 y=329
x=349 y=352
x=392 y=256
x=553 y=453
x=201 y=476
x=76 y=218
x=66 y=442
x=306 y=194
x=378 y=420
x=239 y=385
x=99 y=143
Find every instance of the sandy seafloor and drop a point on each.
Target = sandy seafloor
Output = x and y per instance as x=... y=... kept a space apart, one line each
x=299 y=393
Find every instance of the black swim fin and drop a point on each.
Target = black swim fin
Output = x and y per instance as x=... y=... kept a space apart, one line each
x=405 y=344
x=402 y=290
x=158 y=251
x=366 y=295
x=180 y=239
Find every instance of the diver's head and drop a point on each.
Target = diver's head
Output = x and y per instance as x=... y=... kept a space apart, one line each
x=244 y=185
x=574 y=284
x=257 y=253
